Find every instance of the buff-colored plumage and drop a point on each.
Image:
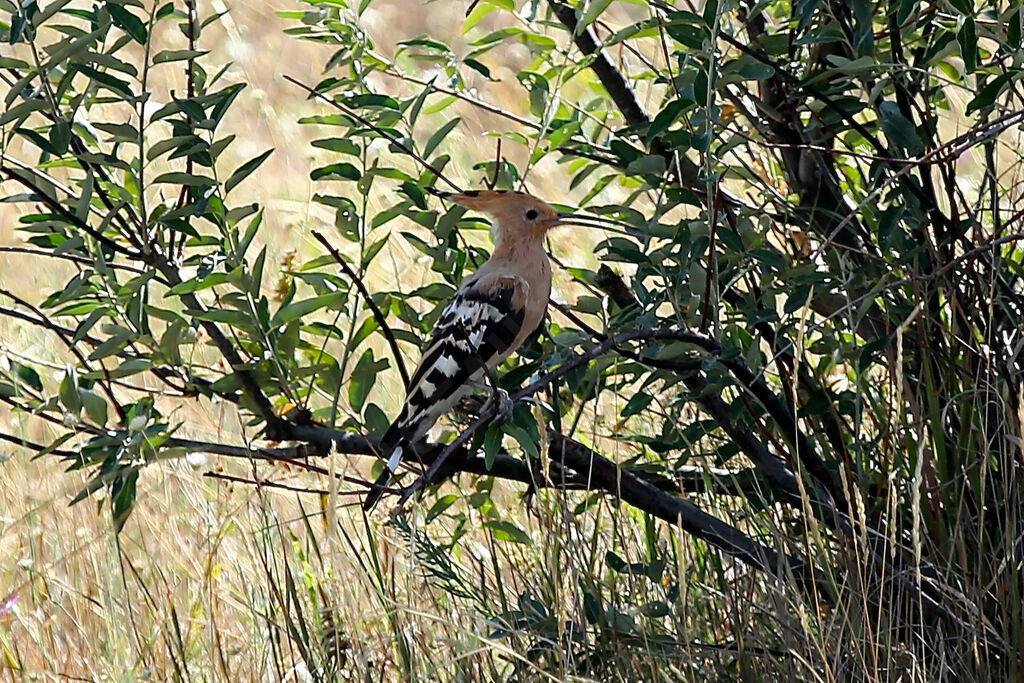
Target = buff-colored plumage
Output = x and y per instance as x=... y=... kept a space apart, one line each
x=493 y=312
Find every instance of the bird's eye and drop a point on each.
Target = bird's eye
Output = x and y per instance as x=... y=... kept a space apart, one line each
x=531 y=214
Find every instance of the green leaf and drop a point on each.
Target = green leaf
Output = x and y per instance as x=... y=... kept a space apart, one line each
x=132 y=366
x=298 y=309
x=165 y=56
x=439 y=135
x=753 y=69
x=122 y=497
x=128 y=22
x=492 y=444
x=507 y=531
x=69 y=393
x=653 y=164
x=196 y=284
x=987 y=95
x=898 y=129
x=498 y=36
x=95 y=407
x=363 y=377
x=341 y=145
x=181 y=178
x=23 y=110
x=967 y=36
x=667 y=116
x=17 y=28
x=339 y=171
x=120 y=131
x=440 y=505
x=243 y=171
x=595 y=8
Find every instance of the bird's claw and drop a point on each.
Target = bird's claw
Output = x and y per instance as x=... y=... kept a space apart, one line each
x=504 y=404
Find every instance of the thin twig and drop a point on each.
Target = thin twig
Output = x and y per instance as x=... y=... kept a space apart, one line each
x=375 y=128
x=378 y=315
x=47 y=323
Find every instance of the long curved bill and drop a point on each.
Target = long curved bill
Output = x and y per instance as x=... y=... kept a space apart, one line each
x=597 y=222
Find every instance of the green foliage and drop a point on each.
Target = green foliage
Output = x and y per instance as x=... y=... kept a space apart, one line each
x=786 y=184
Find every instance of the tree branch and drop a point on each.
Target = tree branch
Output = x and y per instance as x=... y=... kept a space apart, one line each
x=618 y=89
x=609 y=477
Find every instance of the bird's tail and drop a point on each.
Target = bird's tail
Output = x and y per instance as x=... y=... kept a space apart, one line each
x=391 y=444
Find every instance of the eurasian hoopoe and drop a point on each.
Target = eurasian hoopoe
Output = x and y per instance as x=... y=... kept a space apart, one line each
x=493 y=312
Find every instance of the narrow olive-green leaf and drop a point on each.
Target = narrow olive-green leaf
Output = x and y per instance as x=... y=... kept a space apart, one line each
x=967 y=36
x=439 y=136
x=492 y=444
x=898 y=129
x=181 y=178
x=341 y=145
x=122 y=498
x=197 y=284
x=339 y=171
x=223 y=315
x=652 y=163
x=117 y=85
x=363 y=377
x=22 y=110
x=440 y=505
x=109 y=347
x=27 y=375
x=595 y=8
x=120 y=131
x=987 y=95
x=128 y=22
x=69 y=393
x=131 y=366
x=507 y=531
x=302 y=308
x=243 y=171
x=498 y=36
x=176 y=55
x=95 y=407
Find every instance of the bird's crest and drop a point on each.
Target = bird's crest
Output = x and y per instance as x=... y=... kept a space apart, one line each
x=514 y=212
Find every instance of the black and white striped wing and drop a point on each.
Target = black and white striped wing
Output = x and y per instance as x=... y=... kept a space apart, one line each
x=477 y=329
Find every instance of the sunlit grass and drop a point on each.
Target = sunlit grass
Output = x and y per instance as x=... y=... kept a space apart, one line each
x=218 y=580
x=197 y=583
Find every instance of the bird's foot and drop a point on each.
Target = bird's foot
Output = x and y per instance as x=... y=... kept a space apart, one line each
x=504 y=404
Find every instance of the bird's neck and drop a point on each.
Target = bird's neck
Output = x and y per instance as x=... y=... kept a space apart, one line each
x=519 y=250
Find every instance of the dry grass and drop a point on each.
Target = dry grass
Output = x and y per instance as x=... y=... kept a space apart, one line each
x=187 y=589
x=211 y=580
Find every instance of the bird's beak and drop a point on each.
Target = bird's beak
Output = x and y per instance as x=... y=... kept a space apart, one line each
x=587 y=221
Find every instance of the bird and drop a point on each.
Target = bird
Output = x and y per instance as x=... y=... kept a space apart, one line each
x=494 y=311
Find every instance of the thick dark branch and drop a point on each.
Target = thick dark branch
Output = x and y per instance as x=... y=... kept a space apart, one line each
x=575 y=465
x=547 y=378
x=781 y=478
x=605 y=475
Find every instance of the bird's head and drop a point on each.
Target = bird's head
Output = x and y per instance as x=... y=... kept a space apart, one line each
x=514 y=213
x=519 y=215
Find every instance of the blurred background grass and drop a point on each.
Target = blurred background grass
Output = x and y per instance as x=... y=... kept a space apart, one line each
x=184 y=591
x=211 y=580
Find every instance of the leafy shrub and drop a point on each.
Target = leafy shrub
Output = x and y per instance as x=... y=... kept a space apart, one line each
x=807 y=342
